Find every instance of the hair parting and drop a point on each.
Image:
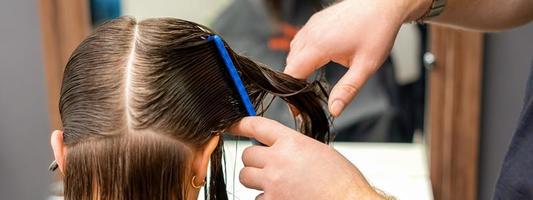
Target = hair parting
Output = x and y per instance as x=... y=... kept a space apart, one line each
x=138 y=98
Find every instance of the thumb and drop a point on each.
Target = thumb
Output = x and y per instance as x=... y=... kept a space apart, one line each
x=350 y=84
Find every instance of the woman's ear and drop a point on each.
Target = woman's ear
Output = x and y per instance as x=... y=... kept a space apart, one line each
x=202 y=157
x=59 y=148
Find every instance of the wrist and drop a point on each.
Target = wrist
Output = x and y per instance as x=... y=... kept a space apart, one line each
x=415 y=9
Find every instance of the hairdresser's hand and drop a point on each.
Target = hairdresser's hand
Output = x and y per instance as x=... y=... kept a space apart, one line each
x=358 y=34
x=294 y=166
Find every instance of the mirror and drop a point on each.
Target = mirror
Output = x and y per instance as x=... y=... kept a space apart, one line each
x=381 y=131
x=389 y=108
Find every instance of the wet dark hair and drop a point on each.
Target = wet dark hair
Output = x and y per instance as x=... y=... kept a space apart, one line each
x=138 y=97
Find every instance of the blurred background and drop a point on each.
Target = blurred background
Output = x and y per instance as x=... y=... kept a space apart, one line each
x=389 y=108
x=38 y=36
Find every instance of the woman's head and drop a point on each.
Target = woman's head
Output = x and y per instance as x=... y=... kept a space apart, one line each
x=144 y=104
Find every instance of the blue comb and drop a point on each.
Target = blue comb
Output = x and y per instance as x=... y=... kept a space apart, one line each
x=236 y=79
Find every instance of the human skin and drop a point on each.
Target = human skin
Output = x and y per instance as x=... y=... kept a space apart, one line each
x=357 y=34
x=282 y=165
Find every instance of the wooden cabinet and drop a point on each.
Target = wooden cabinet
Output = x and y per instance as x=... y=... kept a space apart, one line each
x=454 y=112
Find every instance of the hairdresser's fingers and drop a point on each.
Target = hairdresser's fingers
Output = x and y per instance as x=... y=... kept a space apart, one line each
x=264 y=130
x=298 y=41
x=303 y=62
x=252 y=177
x=254 y=156
x=351 y=83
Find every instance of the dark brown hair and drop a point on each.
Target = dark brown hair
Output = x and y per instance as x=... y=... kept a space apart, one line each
x=138 y=97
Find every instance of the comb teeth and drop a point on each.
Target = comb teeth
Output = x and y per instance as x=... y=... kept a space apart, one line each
x=236 y=79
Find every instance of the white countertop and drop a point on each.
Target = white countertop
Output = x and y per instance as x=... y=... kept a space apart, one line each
x=398 y=169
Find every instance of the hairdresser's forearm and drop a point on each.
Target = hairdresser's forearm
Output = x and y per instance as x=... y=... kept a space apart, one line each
x=483 y=15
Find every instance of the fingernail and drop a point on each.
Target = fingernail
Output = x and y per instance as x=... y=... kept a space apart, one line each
x=336 y=108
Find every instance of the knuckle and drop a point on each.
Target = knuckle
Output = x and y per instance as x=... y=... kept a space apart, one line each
x=269 y=181
x=261 y=128
x=350 y=89
x=275 y=179
x=295 y=42
x=255 y=124
x=264 y=125
x=369 y=64
x=292 y=139
x=268 y=178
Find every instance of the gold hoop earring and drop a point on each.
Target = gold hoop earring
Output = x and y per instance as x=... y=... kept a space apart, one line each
x=196 y=186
